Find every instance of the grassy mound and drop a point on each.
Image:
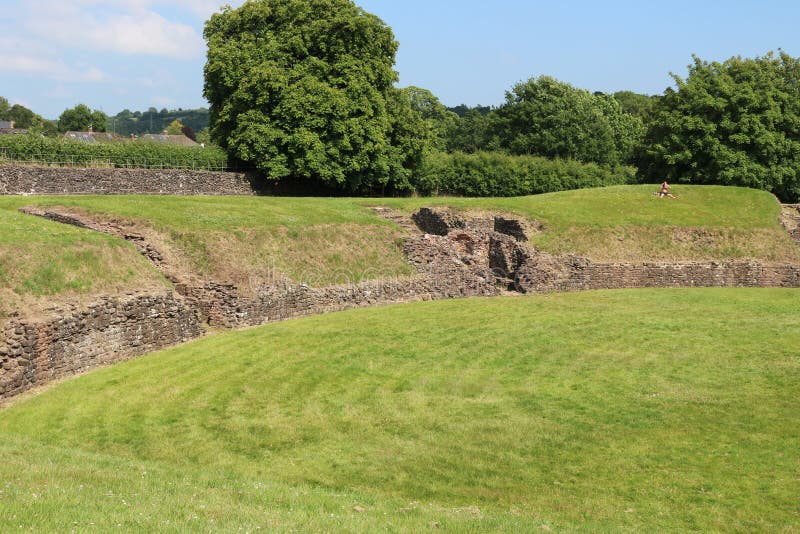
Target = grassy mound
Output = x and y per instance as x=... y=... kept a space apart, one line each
x=42 y=262
x=254 y=241
x=250 y=240
x=628 y=223
x=642 y=410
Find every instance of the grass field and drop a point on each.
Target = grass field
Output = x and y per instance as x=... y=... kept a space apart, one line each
x=647 y=410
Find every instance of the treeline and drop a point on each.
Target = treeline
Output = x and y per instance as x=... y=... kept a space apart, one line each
x=128 y=122
x=541 y=117
x=24 y=118
x=80 y=118
x=305 y=92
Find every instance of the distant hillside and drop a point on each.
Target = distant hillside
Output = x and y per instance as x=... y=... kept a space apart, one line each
x=128 y=122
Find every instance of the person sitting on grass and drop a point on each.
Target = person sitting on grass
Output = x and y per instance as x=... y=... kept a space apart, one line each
x=664 y=192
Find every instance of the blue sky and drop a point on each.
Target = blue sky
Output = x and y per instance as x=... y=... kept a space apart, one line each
x=116 y=54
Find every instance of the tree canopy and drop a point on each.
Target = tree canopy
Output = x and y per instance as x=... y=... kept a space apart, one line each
x=80 y=118
x=546 y=117
x=732 y=123
x=22 y=117
x=303 y=89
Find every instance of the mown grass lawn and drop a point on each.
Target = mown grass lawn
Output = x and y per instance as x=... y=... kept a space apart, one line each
x=647 y=410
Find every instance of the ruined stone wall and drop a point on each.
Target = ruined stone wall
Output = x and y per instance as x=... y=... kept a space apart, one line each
x=445 y=270
x=34 y=352
x=223 y=305
x=454 y=257
x=498 y=246
x=545 y=273
x=29 y=180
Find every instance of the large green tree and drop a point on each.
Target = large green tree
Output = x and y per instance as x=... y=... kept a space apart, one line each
x=546 y=117
x=80 y=118
x=438 y=120
x=303 y=89
x=732 y=123
x=23 y=117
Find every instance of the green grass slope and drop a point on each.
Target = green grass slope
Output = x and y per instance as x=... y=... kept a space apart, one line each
x=649 y=410
x=42 y=262
x=249 y=239
x=628 y=223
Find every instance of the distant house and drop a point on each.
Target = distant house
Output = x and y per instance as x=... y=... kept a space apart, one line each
x=177 y=140
x=94 y=137
x=7 y=128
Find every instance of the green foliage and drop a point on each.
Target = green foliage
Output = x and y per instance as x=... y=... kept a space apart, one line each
x=23 y=117
x=80 y=118
x=472 y=132
x=204 y=137
x=303 y=90
x=731 y=123
x=635 y=103
x=438 y=119
x=494 y=174
x=639 y=411
x=35 y=148
x=138 y=123
x=174 y=128
x=546 y=117
x=462 y=109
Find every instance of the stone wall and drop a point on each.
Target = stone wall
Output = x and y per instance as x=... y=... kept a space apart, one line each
x=530 y=271
x=29 y=180
x=222 y=305
x=546 y=273
x=34 y=352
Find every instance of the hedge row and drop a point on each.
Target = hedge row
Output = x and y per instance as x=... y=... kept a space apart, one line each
x=147 y=154
x=494 y=174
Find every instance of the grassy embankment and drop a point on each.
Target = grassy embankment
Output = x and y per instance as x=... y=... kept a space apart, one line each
x=252 y=241
x=244 y=240
x=650 y=410
x=43 y=261
x=628 y=223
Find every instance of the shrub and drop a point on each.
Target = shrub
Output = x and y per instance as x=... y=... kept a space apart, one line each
x=67 y=152
x=494 y=174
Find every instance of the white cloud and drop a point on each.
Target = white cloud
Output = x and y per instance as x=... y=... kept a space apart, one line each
x=146 y=33
x=49 y=68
